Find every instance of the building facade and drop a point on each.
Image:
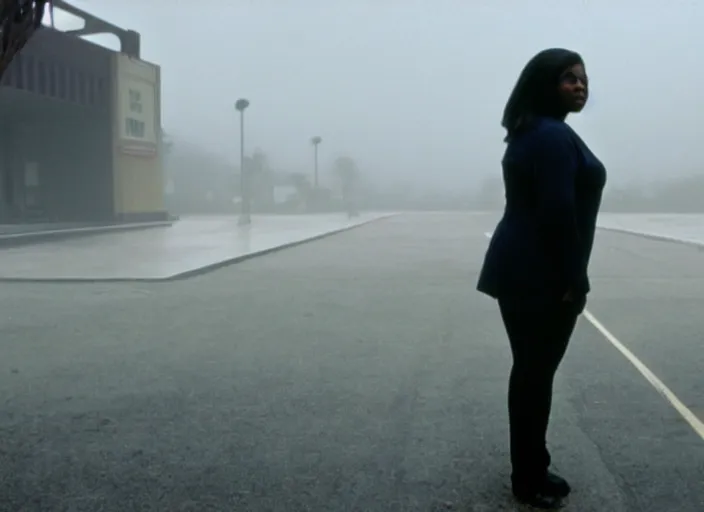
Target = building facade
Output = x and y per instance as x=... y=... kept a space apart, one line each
x=79 y=134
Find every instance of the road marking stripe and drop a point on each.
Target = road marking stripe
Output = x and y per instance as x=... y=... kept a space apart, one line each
x=659 y=386
x=694 y=422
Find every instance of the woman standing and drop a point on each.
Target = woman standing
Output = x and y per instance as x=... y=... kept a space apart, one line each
x=536 y=264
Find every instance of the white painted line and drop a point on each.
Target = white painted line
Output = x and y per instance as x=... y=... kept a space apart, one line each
x=694 y=422
x=660 y=387
x=655 y=236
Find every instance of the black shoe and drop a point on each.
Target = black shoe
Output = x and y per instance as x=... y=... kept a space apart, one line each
x=557 y=485
x=538 y=498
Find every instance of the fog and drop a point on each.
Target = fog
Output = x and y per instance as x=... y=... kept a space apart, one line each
x=186 y=330
x=414 y=90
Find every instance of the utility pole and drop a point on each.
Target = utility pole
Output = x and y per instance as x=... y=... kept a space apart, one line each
x=315 y=141
x=245 y=207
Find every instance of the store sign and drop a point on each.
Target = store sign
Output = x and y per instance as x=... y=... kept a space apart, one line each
x=138 y=111
x=136 y=108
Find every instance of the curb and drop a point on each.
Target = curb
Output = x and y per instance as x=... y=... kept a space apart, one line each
x=197 y=271
x=263 y=252
x=657 y=238
x=18 y=239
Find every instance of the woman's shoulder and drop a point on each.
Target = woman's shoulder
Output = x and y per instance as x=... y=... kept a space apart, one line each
x=546 y=128
x=547 y=133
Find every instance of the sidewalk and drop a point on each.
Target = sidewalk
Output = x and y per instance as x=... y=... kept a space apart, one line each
x=674 y=227
x=190 y=246
x=13 y=235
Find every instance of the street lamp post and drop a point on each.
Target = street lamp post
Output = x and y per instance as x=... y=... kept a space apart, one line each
x=245 y=217
x=315 y=141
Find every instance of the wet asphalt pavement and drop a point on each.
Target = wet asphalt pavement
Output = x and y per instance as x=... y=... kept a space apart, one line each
x=361 y=372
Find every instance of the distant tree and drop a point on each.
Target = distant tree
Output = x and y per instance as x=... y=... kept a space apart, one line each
x=301 y=182
x=346 y=172
x=262 y=177
x=258 y=165
x=260 y=161
x=199 y=181
x=679 y=195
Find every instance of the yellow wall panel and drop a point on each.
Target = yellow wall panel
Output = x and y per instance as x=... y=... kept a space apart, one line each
x=138 y=172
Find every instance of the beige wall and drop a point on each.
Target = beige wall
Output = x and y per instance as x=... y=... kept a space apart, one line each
x=137 y=169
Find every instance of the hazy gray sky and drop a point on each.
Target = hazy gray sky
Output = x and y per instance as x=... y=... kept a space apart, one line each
x=416 y=88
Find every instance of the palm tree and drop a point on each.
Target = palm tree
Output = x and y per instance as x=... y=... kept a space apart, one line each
x=301 y=182
x=347 y=172
x=261 y=178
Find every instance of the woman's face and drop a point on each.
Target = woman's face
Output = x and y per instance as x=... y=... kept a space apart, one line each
x=574 y=88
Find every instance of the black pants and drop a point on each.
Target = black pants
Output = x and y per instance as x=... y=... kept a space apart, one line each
x=539 y=332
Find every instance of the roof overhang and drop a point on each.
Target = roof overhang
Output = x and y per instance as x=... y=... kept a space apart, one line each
x=129 y=39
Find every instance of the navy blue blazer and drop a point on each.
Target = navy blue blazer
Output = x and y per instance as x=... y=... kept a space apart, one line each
x=542 y=244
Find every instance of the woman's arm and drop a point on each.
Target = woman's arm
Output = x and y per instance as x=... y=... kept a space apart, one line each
x=556 y=164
